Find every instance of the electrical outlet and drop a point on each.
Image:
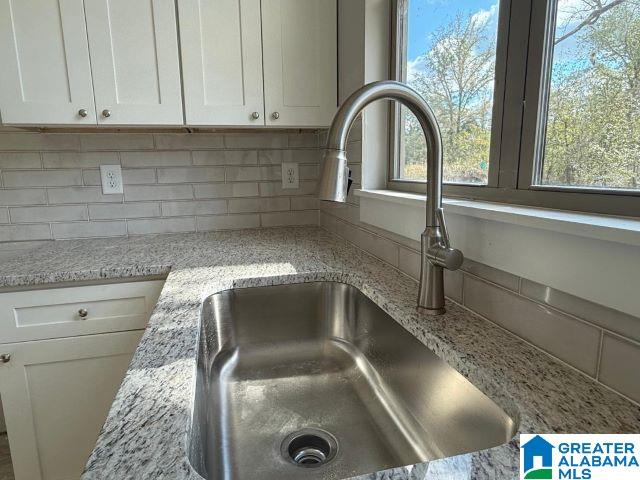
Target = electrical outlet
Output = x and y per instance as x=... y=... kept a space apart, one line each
x=111 y=176
x=290 y=175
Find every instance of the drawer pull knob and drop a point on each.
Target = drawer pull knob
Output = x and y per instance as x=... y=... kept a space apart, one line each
x=5 y=358
x=82 y=313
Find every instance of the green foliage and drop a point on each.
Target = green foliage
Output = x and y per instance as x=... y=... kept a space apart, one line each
x=593 y=122
x=457 y=82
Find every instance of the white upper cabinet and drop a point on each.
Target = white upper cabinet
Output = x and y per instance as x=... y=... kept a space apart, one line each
x=45 y=74
x=221 y=61
x=300 y=62
x=245 y=63
x=252 y=62
x=135 y=61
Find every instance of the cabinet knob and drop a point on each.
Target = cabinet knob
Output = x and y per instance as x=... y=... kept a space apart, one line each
x=275 y=115
x=255 y=115
x=106 y=113
x=83 y=112
x=83 y=312
x=5 y=358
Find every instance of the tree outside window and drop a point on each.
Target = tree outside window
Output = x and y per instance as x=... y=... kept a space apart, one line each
x=592 y=114
x=593 y=119
x=455 y=73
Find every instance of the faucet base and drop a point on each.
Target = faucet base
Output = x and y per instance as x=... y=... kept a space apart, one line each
x=431 y=311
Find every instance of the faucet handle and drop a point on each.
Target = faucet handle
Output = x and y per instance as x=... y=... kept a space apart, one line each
x=442 y=254
x=443 y=227
x=445 y=257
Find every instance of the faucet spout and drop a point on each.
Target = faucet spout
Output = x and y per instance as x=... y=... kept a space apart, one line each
x=436 y=250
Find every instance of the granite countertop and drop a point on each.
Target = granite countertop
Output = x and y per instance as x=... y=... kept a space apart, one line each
x=145 y=434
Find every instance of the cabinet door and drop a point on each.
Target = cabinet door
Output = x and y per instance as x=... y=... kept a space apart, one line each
x=45 y=74
x=56 y=396
x=221 y=62
x=134 y=60
x=300 y=62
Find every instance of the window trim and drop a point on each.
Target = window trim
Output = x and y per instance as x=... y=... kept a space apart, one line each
x=515 y=144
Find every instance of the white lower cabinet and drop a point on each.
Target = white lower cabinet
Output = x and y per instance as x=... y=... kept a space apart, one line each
x=56 y=396
x=70 y=349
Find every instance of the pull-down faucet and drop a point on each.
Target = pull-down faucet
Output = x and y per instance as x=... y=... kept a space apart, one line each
x=334 y=184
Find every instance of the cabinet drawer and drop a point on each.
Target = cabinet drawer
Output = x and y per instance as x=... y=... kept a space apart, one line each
x=72 y=311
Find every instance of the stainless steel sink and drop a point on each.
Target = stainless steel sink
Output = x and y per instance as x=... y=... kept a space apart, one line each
x=316 y=381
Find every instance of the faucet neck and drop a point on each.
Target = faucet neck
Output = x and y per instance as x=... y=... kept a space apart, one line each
x=391 y=90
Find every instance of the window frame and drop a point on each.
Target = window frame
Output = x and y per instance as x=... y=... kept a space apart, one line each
x=523 y=62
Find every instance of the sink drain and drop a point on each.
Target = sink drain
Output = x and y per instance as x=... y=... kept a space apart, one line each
x=310 y=447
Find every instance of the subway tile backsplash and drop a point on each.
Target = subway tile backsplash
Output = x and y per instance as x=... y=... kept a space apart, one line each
x=173 y=182
x=619 y=366
x=567 y=338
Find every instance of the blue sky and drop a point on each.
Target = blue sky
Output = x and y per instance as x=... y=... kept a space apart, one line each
x=426 y=16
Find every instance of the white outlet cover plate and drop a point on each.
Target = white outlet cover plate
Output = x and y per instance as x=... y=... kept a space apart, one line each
x=111 y=176
x=290 y=175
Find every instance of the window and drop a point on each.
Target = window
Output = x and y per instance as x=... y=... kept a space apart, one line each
x=593 y=89
x=538 y=101
x=450 y=55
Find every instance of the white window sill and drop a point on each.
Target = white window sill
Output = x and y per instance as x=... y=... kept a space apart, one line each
x=600 y=227
x=590 y=256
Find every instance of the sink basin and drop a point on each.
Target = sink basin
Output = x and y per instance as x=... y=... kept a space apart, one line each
x=316 y=381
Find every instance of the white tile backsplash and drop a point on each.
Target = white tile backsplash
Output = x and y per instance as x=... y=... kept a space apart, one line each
x=63 y=231
x=155 y=159
x=158 y=192
x=41 y=178
x=78 y=159
x=247 y=205
x=124 y=210
x=274 y=189
x=276 y=157
x=256 y=140
x=226 y=190
x=191 y=175
x=80 y=195
x=23 y=196
x=19 y=233
x=196 y=207
x=115 y=141
x=225 y=157
x=281 y=219
x=22 y=141
x=50 y=185
x=619 y=368
x=20 y=160
x=185 y=141
x=161 y=225
x=48 y=214
x=227 y=222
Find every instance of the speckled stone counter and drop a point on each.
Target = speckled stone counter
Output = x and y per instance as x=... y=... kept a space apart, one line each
x=146 y=433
